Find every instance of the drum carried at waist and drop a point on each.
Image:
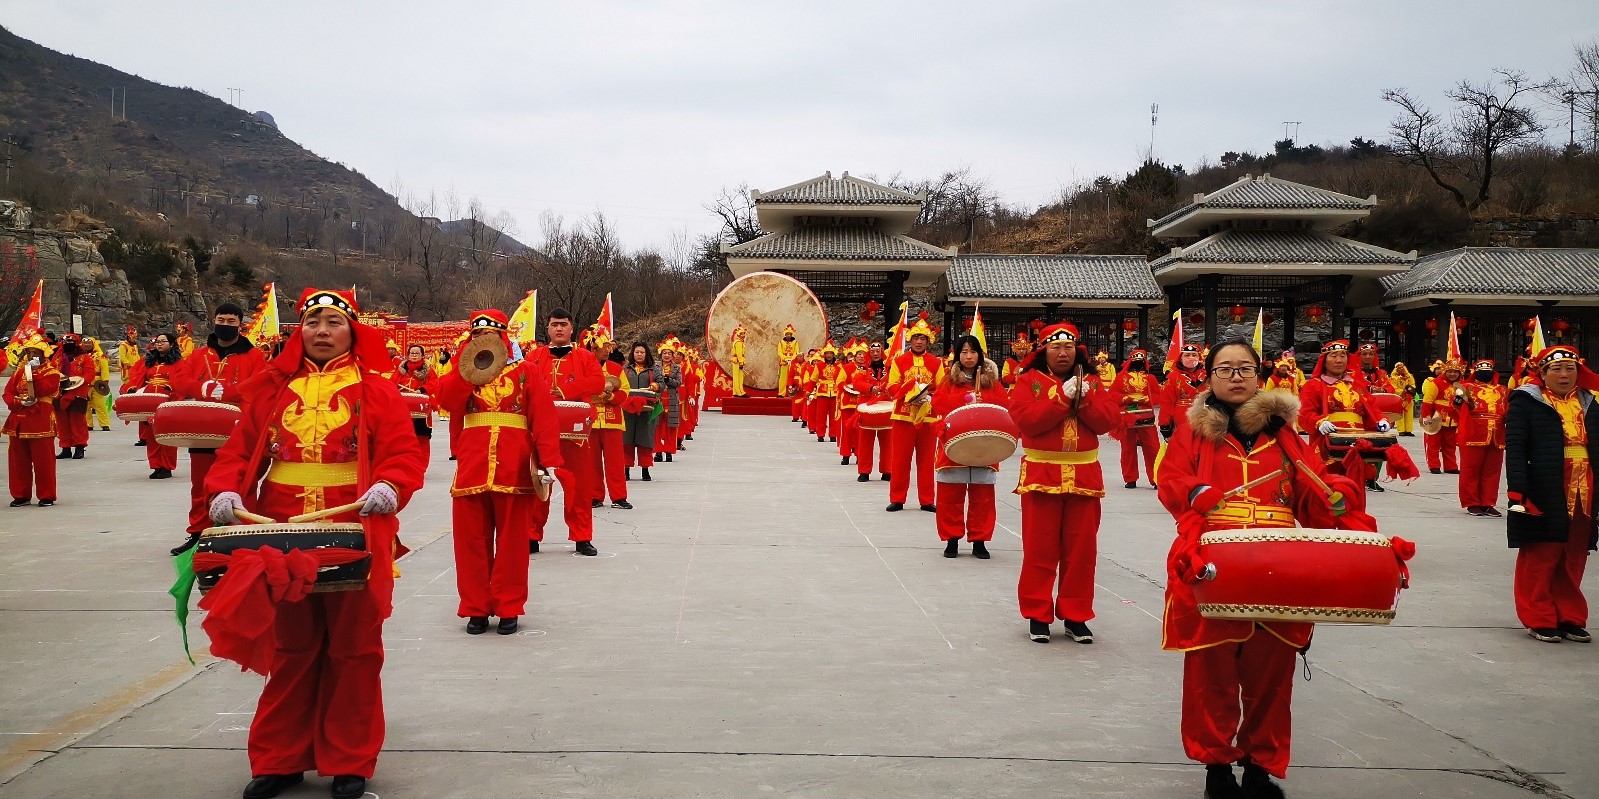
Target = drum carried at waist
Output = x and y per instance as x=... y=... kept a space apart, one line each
x=346 y=541
x=875 y=415
x=137 y=407
x=573 y=419
x=1343 y=439
x=1142 y=417
x=1300 y=574
x=420 y=405
x=194 y=424
x=1391 y=406
x=980 y=434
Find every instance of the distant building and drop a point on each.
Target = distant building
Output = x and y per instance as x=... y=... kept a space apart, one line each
x=266 y=119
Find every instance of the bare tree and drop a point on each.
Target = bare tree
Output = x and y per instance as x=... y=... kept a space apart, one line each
x=1581 y=90
x=737 y=211
x=1461 y=153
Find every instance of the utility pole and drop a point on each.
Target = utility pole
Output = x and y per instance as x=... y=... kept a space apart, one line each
x=1295 y=135
x=1154 y=115
x=9 y=142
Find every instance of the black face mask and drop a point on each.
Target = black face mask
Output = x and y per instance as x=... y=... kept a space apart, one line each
x=225 y=332
x=1136 y=366
x=1483 y=375
x=72 y=349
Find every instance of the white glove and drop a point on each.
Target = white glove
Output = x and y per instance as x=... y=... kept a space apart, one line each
x=1383 y=426
x=547 y=476
x=213 y=390
x=1073 y=388
x=1326 y=428
x=380 y=500
x=223 y=505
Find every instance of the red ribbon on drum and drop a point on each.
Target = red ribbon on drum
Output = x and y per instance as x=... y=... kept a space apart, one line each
x=1403 y=551
x=242 y=609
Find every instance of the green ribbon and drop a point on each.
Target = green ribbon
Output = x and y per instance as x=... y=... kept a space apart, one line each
x=656 y=410
x=180 y=591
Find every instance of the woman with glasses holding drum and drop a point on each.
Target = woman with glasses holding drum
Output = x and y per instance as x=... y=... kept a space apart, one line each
x=1239 y=466
x=965 y=488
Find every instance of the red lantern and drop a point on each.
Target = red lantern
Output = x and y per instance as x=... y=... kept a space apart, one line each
x=1432 y=327
x=1036 y=325
x=1196 y=318
x=1529 y=324
x=1106 y=330
x=1130 y=325
x=966 y=324
x=1400 y=328
x=1270 y=319
x=1315 y=312
x=1561 y=327
x=1460 y=323
x=869 y=312
x=1238 y=313
x=1366 y=334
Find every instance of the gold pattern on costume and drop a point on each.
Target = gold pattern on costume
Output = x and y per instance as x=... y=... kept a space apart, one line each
x=320 y=410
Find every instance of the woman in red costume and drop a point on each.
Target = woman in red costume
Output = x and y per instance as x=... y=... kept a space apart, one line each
x=155 y=374
x=1238 y=675
x=965 y=495
x=416 y=375
x=321 y=427
x=30 y=395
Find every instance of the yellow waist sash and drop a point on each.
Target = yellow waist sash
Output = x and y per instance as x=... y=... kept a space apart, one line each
x=313 y=475
x=1349 y=418
x=496 y=419
x=1577 y=452
x=1250 y=514
x=1062 y=458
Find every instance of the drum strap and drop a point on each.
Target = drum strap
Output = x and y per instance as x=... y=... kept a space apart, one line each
x=1062 y=458
x=495 y=419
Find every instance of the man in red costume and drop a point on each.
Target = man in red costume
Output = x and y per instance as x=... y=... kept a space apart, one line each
x=30 y=396
x=1337 y=399
x=1238 y=675
x=822 y=386
x=1135 y=391
x=1482 y=439
x=212 y=374
x=1183 y=384
x=154 y=374
x=72 y=407
x=1371 y=371
x=572 y=374
x=1020 y=348
x=1440 y=399
x=849 y=398
x=1551 y=442
x=1062 y=411
x=911 y=379
x=320 y=428
x=871 y=385
x=507 y=424
x=605 y=436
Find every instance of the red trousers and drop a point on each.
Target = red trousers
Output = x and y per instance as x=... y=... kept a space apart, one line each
x=491 y=552
x=1236 y=701
x=1133 y=440
x=426 y=443
x=322 y=707
x=848 y=430
x=665 y=437
x=159 y=456
x=1442 y=444
x=74 y=427
x=864 y=441
x=457 y=424
x=905 y=439
x=1060 y=544
x=1480 y=468
x=965 y=509
x=637 y=456
x=577 y=496
x=608 y=464
x=799 y=409
x=1548 y=582
x=32 y=463
x=199 y=504
x=822 y=422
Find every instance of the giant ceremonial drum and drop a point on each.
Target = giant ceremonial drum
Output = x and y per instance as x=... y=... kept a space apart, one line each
x=340 y=548
x=1300 y=574
x=763 y=302
x=137 y=407
x=980 y=434
x=194 y=424
x=574 y=419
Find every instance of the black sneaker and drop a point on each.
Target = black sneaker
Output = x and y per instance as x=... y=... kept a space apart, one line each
x=668 y=457
x=77 y=453
x=844 y=461
x=46 y=503
x=1078 y=631
x=1257 y=784
x=1436 y=471
x=17 y=503
x=267 y=786
x=1133 y=484
x=104 y=429
x=506 y=626
x=1548 y=635
x=587 y=548
x=832 y=439
x=66 y=452
x=1571 y=632
x=1373 y=485
x=895 y=507
x=1451 y=471
x=1038 y=631
x=348 y=786
x=930 y=508
x=820 y=440
x=883 y=477
x=477 y=625
x=688 y=438
x=532 y=547
x=161 y=474
x=952 y=548
x=864 y=478
x=621 y=504
x=141 y=443
x=1220 y=783
x=1475 y=511
x=597 y=503
x=1489 y=510
x=646 y=477
x=979 y=550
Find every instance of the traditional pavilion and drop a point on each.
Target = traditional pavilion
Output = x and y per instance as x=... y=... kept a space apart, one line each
x=1108 y=297
x=845 y=238
x=1493 y=293
x=1264 y=242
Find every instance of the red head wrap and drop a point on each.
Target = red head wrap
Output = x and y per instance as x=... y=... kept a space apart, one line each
x=366 y=345
x=1565 y=352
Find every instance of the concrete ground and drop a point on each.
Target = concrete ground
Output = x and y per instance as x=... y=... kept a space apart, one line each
x=759 y=626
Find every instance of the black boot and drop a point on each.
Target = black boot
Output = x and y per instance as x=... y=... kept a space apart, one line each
x=1257 y=784
x=1038 y=631
x=895 y=507
x=350 y=786
x=646 y=477
x=142 y=443
x=627 y=474
x=17 y=503
x=77 y=453
x=668 y=457
x=267 y=786
x=1220 y=783
x=587 y=548
x=952 y=548
x=864 y=478
x=979 y=550
x=532 y=547
x=659 y=457
x=1373 y=485
x=597 y=503
x=66 y=452
x=506 y=626
x=844 y=461
x=883 y=477
x=1133 y=484
x=194 y=538
x=477 y=625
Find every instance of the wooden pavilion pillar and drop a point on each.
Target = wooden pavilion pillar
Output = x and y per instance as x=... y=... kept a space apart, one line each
x=1340 y=288
x=1143 y=327
x=1212 y=287
x=1290 y=311
x=1051 y=313
x=952 y=320
x=893 y=295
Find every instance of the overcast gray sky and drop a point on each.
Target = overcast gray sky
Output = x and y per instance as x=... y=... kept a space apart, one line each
x=647 y=109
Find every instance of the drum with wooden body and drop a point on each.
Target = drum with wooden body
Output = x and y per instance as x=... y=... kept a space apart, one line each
x=763 y=302
x=194 y=424
x=980 y=434
x=1391 y=406
x=1139 y=418
x=1300 y=574
x=573 y=419
x=1343 y=439
x=420 y=405
x=137 y=407
x=284 y=536
x=875 y=415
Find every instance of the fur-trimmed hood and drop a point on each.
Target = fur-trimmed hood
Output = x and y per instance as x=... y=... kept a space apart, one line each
x=988 y=374
x=1252 y=417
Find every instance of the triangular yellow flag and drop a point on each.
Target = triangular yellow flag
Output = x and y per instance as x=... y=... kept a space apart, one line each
x=1538 y=344
x=977 y=327
x=524 y=323
x=1260 y=334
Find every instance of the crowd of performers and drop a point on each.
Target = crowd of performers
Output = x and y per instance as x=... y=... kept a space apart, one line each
x=326 y=429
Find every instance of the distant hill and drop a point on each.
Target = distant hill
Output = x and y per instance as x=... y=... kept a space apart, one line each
x=460 y=230
x=177 y=143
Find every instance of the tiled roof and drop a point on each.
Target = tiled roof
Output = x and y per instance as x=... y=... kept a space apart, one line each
x=1499 y=270
x=828 y=190
x=1279 y=247
x=1266 y=191
x=1119 y=277
x=839 y=244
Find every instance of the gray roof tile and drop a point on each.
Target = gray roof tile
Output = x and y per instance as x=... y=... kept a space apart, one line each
x=1288 y=247
x=1499 y=270
x=1083 y=277
x=839 y=243
x=1268 y=192
x=828 y=190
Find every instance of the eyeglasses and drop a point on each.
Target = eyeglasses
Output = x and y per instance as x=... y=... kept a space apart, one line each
x=1229 y=372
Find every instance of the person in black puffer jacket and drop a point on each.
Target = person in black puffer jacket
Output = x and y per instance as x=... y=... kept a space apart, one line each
x=1551 y=441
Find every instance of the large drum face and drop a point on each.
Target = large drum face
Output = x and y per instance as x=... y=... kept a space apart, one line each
x=763 y=302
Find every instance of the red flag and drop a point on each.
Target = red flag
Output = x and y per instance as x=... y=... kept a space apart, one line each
x=1174 y=353
x=607 y=318
x=32 y=317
